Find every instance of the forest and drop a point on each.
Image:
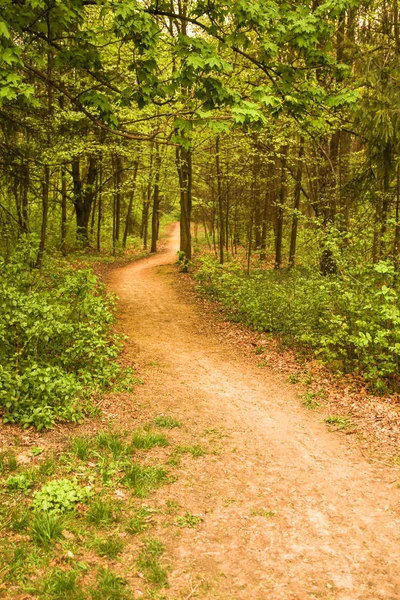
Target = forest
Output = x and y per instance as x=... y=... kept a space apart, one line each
x=268 y=129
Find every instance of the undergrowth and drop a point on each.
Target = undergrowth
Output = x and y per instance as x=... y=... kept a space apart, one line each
x=350 y=321
x=57 y=346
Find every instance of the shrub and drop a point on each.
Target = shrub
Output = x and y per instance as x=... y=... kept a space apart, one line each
x=56 y=345
x=352 y=319
x=59 y=496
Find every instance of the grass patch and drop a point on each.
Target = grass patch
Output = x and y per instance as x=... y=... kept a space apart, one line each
x=262 y=512
x=109 y=586
x=80 y=446
x=145 y=440
x=148 y=563
x=103 y=512
x=110 y=547
x=45 y=528
x=144 y=479
x=339 y=422
x=113 y=442
x=195 y=450
x=188 y=520
x=62 y=585
x=167 y=422
x=140 y=520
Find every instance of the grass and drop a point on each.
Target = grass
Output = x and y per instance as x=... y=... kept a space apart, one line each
x=144 y=479
x=339 y=422
x=109 y=586
x=140 y=521
x=110 y=547
x=148 y=563
x=311 y=400
x=61 y=548
x=80 y=446
x=262 y=512
x=45 y=528
x=188 y=520
x=145 y=440
x=112 y=441
x=102 y=512
x=195 y=450
x=167 y=422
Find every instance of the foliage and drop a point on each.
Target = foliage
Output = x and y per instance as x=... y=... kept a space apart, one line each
x=56 y=344
x=59 y=496
x=350 y=320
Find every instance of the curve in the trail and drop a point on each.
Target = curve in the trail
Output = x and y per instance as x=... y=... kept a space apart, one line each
x=335 y=531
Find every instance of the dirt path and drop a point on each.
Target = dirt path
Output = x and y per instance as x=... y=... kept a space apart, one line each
x=291 y=510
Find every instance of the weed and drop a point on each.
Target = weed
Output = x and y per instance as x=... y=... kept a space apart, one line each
x=12 y=462
x=143 y=479
x=22 y=482
x=45 y=528
x=193 y=450
x=148 y=563
x=310 y=399
x=80 y=446
x=110 y=546
x=167 y=422
x=106 y=467
x=37 y=450
x=140 y=520
x=174 y=460
x=259 y=350
x=48 y=465
x=109 y=587
x=172 y=507
x=112 y=441
x=59 y=496
x=102 y=512
x=293 y=378
x=188 y=520
x=19 y=519
x=62 y=585
x=145 y=440
x=339 y=422
x=262 y=512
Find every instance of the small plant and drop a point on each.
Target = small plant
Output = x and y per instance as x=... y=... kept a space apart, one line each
x=262 y=512
x=12 y=462
x=22 y=482
x=59 y=496
x=259 y=350
x=148 y=563
x=143 y=479
x=140 y=520
x=145 y=440
x=80 y=446
x=102 y=512
x=109 y=586
x=339 y=422
x=311 y=399
x=172 y=507
x=62 y=585
x=167 y=422
x=48 y=465
x=37 y=450
x=45 y=528
x=188 y=520
x=110 y=546
x=195 y=450
x=19 y=519
x=293 y=378
x=112 y=441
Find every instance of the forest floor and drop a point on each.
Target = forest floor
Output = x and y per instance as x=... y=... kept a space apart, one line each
x=289 y=509
x=237 y=491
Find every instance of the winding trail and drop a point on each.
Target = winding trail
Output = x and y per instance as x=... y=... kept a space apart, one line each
x=335 y=530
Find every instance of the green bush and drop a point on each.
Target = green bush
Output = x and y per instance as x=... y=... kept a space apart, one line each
x=351 y=319
x=56 y=340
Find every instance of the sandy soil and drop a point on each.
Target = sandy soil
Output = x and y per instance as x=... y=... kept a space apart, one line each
x=291 y=510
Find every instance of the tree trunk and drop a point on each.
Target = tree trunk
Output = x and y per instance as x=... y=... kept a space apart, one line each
x=131 y=197
x=221 y=226
x=184 y=167
x=296 y=205
x=156 y=202
x=280 y=215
